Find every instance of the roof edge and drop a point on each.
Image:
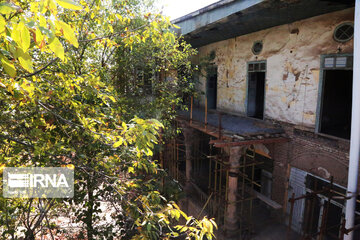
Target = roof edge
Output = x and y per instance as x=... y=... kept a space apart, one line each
x=203 y=10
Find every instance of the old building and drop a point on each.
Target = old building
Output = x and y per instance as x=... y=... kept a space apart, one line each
x=274 y=121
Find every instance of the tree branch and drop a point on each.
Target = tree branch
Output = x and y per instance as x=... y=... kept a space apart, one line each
x=16 y=140
x=41 y=69
x=112 y=35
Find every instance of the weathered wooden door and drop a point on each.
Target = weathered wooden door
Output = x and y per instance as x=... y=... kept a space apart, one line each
x=297 y=186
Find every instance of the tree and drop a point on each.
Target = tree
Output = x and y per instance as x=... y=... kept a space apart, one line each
x=62 y=105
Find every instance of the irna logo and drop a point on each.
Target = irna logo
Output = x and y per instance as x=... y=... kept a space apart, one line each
x=36 y=180
x=42 y=182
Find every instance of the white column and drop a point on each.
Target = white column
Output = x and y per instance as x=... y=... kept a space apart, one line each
x=355 y=129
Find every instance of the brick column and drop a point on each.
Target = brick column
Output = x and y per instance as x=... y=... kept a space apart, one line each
x=231 y=215
x=280 y=157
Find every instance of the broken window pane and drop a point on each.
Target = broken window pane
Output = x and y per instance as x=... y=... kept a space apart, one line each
x=262 y=66
x=251 y=67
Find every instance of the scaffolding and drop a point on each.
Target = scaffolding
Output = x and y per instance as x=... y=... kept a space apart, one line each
x=323 y=229
x=209 y=158
x=214 y=197
x=208 y=151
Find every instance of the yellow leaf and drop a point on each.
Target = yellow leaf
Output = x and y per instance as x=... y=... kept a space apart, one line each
x=9 y=67
x=69 y=4
x=39 y=37
x=70 y=166
x=56 y=46
x=123 y=124
x=52 y=6
x=119 y=17
x=21 y=36
x=34 y=7
x=29 y=88
x=42 y=20
x=24 y=59
x=69 y=33
x=2 y=166
x=25 y=36
x=6 y=8
x=112 y=98
x=2 y=24
x=118 y=143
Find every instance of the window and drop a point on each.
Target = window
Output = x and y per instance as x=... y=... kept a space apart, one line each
x=257 y=47
x=256 y=89
x=334 y=116
x=344 y=32
x=315 y=208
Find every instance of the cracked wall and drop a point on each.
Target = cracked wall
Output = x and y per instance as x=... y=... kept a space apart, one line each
x=292 y=52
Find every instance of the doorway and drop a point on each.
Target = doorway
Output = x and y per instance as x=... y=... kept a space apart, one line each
x=337 y=101
x=336 y=97
x=211 y=87
x=256 y=89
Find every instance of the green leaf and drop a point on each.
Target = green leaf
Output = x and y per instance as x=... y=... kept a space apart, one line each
x=69 y=33
x=56 y=46
x=6 y=8
x=69 y=4
x=9 y=67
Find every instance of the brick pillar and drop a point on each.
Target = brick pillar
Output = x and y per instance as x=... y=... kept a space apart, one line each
x=280 y=156
x=231 y=215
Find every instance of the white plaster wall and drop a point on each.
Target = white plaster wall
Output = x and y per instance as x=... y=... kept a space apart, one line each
x=293 y=66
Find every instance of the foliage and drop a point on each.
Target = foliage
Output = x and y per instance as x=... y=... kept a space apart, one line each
x=63 y=105
x=153 y=76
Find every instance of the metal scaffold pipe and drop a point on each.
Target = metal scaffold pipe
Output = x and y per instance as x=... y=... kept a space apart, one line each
x=355 y=130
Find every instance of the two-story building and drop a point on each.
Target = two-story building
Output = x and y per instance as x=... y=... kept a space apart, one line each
x=274 y=121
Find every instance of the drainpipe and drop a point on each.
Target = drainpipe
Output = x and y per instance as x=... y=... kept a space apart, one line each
x=355 y=130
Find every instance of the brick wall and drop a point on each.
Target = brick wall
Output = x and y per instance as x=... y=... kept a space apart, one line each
x=320 y=155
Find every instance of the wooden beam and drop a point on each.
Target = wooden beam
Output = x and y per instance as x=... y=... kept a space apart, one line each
x=268 y=201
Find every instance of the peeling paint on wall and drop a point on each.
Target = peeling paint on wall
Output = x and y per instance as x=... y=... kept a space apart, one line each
x=293 y=66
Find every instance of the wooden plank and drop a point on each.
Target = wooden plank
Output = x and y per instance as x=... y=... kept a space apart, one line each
x=268 y=201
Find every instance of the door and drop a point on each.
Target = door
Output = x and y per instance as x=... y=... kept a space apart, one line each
x=211 y=87
x=297 y=186
x=256 y=90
